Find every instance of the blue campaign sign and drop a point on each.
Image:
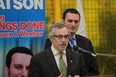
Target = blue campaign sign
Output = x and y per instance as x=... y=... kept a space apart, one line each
x=22 y=23
x=24 y=18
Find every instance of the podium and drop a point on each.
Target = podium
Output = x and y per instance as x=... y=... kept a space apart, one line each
x=102 y=76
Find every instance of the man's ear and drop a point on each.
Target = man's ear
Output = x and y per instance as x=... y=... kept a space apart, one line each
x=62 y=21
x=6 y=71
x=50 y=37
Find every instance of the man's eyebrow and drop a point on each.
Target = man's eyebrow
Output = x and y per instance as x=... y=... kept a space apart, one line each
x=17 y=65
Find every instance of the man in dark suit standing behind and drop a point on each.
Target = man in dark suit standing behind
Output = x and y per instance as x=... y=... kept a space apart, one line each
x=57 y=61
x=71 y=17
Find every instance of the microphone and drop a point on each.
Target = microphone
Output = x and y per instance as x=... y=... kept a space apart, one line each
x=76 y=48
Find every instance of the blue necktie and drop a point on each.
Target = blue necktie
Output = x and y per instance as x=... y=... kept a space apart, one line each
x=72 y=41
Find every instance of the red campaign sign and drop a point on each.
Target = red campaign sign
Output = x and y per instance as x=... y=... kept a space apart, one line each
x=24 y=29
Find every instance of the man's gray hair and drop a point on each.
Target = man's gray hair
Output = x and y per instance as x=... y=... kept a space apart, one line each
x=58 y=26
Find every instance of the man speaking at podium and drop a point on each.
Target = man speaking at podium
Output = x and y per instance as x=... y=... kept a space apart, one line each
x=71 y=17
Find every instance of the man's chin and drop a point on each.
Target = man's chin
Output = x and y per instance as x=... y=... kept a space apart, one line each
x=62 y=49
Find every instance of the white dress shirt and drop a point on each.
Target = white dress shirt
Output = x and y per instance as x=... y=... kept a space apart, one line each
x=57 y=55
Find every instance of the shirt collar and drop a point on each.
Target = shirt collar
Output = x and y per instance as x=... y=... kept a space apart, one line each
x=73 y=37
x=55 y=52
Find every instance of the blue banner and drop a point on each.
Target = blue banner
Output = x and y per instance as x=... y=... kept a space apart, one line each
x=22 y=23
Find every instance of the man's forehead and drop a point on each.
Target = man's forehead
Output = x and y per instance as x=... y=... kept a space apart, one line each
x=61 y=31
x=72 y=15
x=20 y=54
x=21 y=57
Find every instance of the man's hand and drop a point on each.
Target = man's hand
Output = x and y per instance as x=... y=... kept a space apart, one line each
x=74 y=76
x=60 y=75
x=69 y=75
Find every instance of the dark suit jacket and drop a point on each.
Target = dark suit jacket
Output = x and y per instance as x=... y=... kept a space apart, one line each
x=43 y=64
x=86 y=44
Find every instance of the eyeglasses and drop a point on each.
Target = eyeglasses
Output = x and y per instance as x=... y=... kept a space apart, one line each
x=61 y=36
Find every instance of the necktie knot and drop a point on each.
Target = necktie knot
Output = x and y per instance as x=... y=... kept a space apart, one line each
x=72 y=38
x=61 y=54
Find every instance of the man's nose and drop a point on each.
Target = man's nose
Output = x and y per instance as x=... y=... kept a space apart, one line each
x=73 y=23
x=24 y=73
x=64 y=38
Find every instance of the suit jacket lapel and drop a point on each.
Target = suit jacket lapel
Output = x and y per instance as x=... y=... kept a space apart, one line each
x=69 y=47
x=70 y=63
x=77 y=39
x=51 y=62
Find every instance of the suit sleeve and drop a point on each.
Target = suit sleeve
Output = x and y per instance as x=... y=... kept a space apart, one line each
x=34 y=70
x=93 y=67
x=90 y=61
x=83 y=69
x=47 y=44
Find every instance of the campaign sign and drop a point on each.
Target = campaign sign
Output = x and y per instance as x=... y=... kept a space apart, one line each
x=22 y=23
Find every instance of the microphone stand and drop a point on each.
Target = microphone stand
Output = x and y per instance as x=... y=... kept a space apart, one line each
x=76 y=48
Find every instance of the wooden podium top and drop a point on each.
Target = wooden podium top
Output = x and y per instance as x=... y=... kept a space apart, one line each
x=101 y=76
